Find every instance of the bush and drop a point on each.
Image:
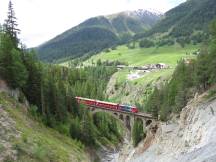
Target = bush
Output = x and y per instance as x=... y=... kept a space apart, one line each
x=116 y=86
x=40 y=152
x=164 y=42
x=1 y=147
x=75 y=131
x=127 y=94
x=33 y=111
x=212 y=93
x=145 y=43
x=107 y=50
x=113 y=48
x=137 y=132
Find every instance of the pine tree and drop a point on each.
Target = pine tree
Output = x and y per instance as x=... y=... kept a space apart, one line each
x=202 y=73
x=180 y=100
x=11 y=24
x=156 y=103
x=33 y=86
x=212 y=67
x=11 y=64
x=75 y=130
x=137 y=132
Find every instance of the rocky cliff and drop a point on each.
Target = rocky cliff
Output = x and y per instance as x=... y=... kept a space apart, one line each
x=188 y=138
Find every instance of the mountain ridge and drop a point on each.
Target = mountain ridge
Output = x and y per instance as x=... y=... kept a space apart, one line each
x=119 y=28
x=185 y=19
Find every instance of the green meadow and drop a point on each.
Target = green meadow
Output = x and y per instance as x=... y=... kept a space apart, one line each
x=141 y=56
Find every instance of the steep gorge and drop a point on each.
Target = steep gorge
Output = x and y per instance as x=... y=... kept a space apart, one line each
x=191 y=137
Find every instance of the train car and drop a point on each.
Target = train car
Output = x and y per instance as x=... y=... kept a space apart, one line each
x=134 y=109
x=86 y=101
x=128 y=108
x=107 y=105
x=125 y=108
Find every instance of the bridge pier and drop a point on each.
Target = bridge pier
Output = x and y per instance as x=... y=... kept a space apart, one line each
x=145 y=121
x=126 y=118
x=121 y=117
x=132 y=122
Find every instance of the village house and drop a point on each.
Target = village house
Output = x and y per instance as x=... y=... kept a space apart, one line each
x=161 y=66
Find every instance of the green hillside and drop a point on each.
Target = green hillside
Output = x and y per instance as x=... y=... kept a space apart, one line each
x=141 y=56
x=185 y=20
x=79 y=42
x=31 y=140
x=133 y=91
x=95 y=34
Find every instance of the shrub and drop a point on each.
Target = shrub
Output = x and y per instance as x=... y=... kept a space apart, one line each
x=137 y=132
x=33 y=111
x=145 y=43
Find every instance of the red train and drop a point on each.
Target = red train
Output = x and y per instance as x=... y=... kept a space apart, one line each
x=106 y=105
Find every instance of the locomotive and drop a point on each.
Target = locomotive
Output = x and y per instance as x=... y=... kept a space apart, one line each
x=106 y=105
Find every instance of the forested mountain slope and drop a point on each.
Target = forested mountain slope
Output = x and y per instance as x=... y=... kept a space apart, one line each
x=183 y=20
x=49 y=91
x=22 y=138
x=97 y=33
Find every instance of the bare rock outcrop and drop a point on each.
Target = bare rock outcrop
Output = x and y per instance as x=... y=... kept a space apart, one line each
x=8 y=133
x=191 y=138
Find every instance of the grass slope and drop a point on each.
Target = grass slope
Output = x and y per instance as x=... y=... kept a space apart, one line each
x=141 y=56
x=134 y=91
x=122 y=90
x=38 y=143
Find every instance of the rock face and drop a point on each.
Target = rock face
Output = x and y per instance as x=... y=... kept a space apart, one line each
x=191 y=138
x=8 y=133
x=4 y=88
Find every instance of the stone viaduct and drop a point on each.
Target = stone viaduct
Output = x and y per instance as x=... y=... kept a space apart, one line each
x=126 y=118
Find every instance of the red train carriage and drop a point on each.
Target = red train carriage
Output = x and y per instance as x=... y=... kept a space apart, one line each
x=134 y=110
x=106 y=105
x=85 y=101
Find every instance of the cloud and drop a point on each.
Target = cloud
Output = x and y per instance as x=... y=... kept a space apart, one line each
x=41 y=20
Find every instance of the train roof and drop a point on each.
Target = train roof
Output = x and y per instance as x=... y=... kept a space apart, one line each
x=128 y=105
x=105 y=102
x=82 y=98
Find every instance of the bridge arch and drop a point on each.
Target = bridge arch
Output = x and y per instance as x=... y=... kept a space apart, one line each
x=148 y=122
x=115 y=115
x=121 y=117
x=128 y=122
x=125 y=118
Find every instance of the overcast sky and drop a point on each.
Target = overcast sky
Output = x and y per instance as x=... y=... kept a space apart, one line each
x=41 y=20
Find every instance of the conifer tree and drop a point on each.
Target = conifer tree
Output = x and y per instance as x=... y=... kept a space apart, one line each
x=137 y=132
x=11 y=24
x=10 y=62
x=33 y=86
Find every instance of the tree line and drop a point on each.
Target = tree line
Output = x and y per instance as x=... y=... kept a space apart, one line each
x=190 y=77
x=51 y=89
